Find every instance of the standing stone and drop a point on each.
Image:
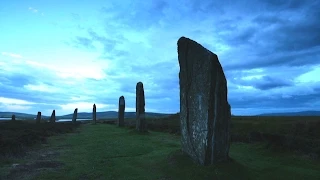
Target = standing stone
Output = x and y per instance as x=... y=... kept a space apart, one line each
x=53 y=117
x=13 y=117
x=204 y=109
x=121 y=111
x=75 y=114
x=38 y=117
x=141 y=125
x=94 y=114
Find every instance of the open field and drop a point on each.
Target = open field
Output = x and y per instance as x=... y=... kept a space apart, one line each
x=105 y=151
x=295 y=134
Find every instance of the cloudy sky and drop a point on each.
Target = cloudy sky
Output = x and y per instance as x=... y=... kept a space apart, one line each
x=70 y=54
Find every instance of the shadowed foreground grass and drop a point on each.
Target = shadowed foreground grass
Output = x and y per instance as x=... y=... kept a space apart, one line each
x=17 y=136
x=105 y=151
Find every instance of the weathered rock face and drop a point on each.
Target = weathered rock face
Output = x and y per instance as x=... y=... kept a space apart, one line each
x=75 y=114
x=38 y=117
x=13 y=117
x=140 y=111
x=121 y=110
x=94 y=114
x=204 y=109
x=53 y=117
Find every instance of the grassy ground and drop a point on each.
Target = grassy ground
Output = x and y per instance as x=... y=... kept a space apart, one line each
x=295 y=134
x=105 y=151
x=17 y=136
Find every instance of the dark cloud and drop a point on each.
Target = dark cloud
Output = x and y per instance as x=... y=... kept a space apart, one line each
x=32 y=96
x=265 y=79
x=290 y=72
x=282 y=33
x=238 y=36
x=295 y=37
x=275 y=101
x=292 y=32
x=108 y=44
x=84 y=42
x=278 y=59
x=267 y=82
x=205 y=7
x=14 y=86
x=275 y=5
x=268 y=19
x=16 y=80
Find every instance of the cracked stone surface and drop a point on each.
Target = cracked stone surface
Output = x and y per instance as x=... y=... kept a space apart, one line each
x=75 y=114
x=38 y=119
x=121 y=110
x=204 y=109
x=53 y=117
x=141 y=124
x=94 y=114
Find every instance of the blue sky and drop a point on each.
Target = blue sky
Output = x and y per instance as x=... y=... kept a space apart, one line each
x=70 y=54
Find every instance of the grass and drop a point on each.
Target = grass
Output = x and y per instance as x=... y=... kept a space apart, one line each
x=105 y=151
x=295 y=134
x=17 y=136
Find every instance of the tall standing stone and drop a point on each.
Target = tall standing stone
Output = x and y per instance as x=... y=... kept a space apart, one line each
x=121 y=110
x=13 y=117
x=53 y=117
x=141 y=124
x=204 y=109
x=75 y=114
x=38 y=119
x=94 y=114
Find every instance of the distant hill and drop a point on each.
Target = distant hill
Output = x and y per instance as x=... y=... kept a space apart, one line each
x=301 y=113
x=110 y=114
x=18 y=115
x=83 y=115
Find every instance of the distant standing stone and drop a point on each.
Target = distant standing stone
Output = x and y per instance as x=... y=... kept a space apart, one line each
x=121 y=111
x=141 y=124
x=53 y=117
x=38 y=117
x=13 y=117
x=204 y=109
x=94 y=114
x=75 y=114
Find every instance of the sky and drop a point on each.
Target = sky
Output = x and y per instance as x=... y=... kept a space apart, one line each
x=70 y=54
